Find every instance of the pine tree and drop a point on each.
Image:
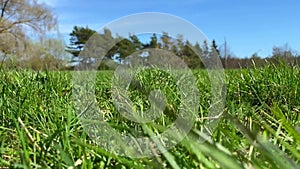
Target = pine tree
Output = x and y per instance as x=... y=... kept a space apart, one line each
x=80 y=35
x=137 y=43
x=154 y=41
x=214 y=47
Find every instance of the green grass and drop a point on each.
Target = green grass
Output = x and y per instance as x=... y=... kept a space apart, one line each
x=259 y=129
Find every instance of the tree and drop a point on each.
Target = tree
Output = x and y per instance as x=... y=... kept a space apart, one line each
x=166 y=41
x=180 y=44
x=198 y=49
x=124 y=48
x=154 y=42
x=283 y=51
x=19 y=16
x=80 y=35
x=283 y=54
x=187 y=50
x=214 y=47
x=226 y=54
x=191 y=55
x=175 y=49
x=98 y=46
x=45 y=54
x=137 y=43
x=205 y=50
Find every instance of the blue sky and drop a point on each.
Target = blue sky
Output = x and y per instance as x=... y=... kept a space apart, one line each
x=248 y=26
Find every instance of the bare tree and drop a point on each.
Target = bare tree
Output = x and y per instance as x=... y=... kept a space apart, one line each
x=225 y=53
x=18 y=17
x=45 y=54
x=284 y=51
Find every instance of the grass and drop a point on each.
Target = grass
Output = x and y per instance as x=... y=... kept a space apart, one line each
x=260 y=128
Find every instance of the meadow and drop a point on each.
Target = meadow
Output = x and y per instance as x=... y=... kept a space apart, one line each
x=259 y=128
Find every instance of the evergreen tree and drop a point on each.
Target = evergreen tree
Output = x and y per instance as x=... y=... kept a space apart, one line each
x=198 y=49
x=124 y=48
x=187 y=50
x=214 y=47
x=137 y=43
x=154 y=41
x=205 y=50
x=80 y=35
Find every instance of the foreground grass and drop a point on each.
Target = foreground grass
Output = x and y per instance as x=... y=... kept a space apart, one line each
x=260 y=127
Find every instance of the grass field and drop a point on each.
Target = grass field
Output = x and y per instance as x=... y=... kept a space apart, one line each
x=260 y=127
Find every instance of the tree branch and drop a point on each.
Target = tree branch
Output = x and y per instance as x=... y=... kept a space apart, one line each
x=3 y=9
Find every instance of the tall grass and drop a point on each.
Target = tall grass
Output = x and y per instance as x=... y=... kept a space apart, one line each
x=259 y=128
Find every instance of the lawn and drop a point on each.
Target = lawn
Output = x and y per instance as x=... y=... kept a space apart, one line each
x=259 y=128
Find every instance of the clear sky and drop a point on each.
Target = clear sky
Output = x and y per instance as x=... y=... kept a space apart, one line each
x=248 y=26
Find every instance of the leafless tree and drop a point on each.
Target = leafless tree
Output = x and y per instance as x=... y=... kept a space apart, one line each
x=18 y=17
x=225 y=53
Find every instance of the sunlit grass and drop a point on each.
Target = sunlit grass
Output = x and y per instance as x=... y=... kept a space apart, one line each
x=259 y=129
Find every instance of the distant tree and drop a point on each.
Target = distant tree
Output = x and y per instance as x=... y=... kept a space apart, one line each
x=19 y=16
x=107 y=35
x=80 y=35
x=99 y=46
x=205 y=50
x=137 y=43
x=175 y=49
x=154 y=41
x=187 y=50
x=225 y=53
x=282 y=51
x=214 y=47
x=123 y=48
x=180 y=43
x=105 y=41
x=198 y=49
x=166 y=41
x=45 y=54
x=214 y=55
x=191 y=55
x=283 y=54
x=255 y=56
x=256 y=60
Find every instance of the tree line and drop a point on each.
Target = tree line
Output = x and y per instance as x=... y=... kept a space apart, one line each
x=125 y=47
x=179 y=46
